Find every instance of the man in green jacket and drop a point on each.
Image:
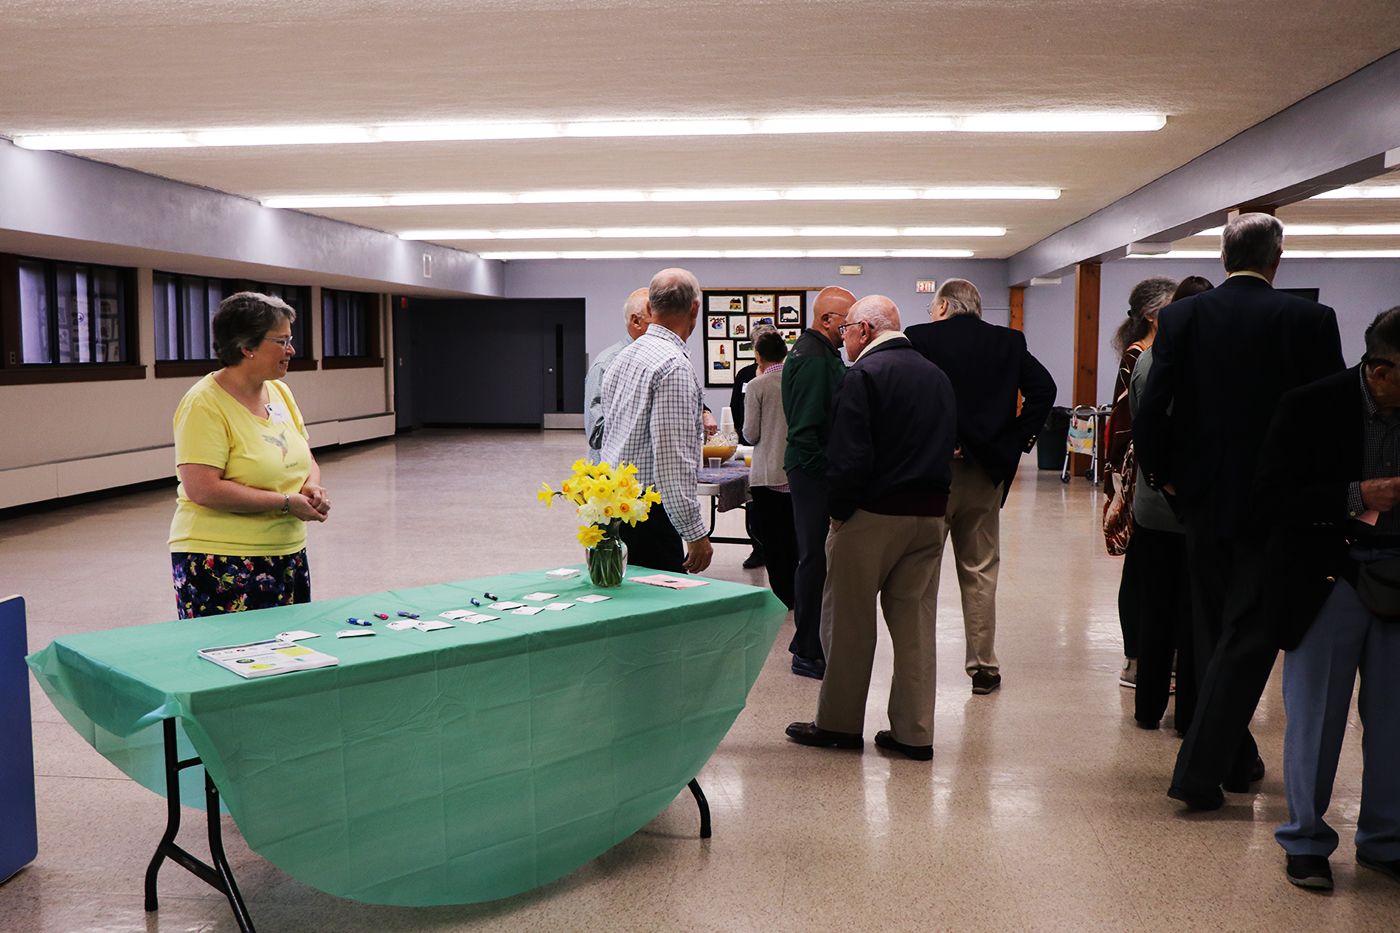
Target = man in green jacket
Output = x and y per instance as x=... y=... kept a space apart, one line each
x=813 y=371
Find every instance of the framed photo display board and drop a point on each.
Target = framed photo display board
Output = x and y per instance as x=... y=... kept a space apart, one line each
x=729 y=315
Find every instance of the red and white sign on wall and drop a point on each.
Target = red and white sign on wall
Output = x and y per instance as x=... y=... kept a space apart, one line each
x=924 y=286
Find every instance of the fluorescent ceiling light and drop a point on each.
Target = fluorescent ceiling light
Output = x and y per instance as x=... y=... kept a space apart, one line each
x=679 y=195
x=847 y=231
x=835 y=124
x=1376 y=192
x=952 y=231
x=664 y=195
x=678 y=233
x=607 y=128
x=1296 y=230
x=507 y=255
x=619 y=196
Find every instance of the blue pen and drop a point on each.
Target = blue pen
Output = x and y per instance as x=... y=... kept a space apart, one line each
x=407 y=615
x=475 y=601
x=354 y=621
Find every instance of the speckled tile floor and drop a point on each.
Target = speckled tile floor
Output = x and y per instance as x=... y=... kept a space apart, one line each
x=1044 y=808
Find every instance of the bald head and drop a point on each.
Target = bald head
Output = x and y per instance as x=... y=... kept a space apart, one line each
x=635 y=315
x=829 y=311
x=673 y=292
x=878 y=312
x=673 y=301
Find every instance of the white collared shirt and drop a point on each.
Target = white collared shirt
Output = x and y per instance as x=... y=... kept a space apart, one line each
x=652 y=405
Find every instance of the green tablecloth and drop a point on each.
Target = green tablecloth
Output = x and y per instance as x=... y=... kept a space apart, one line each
x=442 y=767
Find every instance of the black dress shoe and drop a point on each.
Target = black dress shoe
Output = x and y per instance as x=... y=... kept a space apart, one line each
x=1147 y=723
x=984 y=682
x=814 y=668
x=1209 y=799
x=1389 y=869
x=886 y=740
x=1237 y=784
x=754 y=560
x=807 y=733
x=1309 y=871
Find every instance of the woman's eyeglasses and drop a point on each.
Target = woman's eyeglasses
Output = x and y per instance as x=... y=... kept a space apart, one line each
x=284 y=342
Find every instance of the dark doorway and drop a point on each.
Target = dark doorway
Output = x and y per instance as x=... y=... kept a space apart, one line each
x=487 y=361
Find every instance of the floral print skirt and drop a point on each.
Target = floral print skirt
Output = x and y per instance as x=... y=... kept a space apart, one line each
x=213 y=584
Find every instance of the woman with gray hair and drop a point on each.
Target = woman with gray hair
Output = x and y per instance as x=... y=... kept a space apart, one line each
x=248 y=481
x=1133 y=337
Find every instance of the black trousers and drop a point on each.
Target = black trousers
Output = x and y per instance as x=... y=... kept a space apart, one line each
x=655 y=543
x=754 y=531
x=1154 y=575
x=1130 y=600
x=772 y=513
x=1235 y=653
x=811 y=520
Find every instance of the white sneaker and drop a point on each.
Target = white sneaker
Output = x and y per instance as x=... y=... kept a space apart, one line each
x=1128 y=676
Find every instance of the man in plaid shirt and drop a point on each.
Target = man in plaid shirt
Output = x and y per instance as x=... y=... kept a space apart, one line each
x=652 y=419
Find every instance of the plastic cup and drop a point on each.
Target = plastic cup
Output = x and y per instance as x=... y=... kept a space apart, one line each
x=748 y=460
x=713 y=463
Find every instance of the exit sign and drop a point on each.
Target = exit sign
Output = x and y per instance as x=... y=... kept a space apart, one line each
x=924 y=286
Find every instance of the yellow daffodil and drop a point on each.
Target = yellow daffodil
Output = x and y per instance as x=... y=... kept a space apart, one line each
x=546 y=495
x=652 y=496
x=590 y=535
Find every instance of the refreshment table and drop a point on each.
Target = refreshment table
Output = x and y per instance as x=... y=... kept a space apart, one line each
x=441 y=767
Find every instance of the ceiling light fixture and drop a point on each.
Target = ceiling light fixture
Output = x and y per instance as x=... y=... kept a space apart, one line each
x=508 y=255
x=1296 y=230
x=835 y=124
x=680 y=233
x=1360 y=192
x=665 y=195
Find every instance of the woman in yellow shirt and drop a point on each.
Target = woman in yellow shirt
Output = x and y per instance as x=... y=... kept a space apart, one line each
x=248 y=482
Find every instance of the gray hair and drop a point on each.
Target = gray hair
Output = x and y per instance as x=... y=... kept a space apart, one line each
x=962 y=297
x=1383 y=337
x=1251 y=242
x=759 y=330
x=672 y=291
x=1147 y=298
x=635 y=305
x=242 y=322
x=877 y=311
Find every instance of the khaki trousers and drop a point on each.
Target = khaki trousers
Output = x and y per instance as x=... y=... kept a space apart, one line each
x=973 y=521
x=894 y=557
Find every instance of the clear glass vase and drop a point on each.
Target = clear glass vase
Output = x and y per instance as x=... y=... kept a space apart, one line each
x=607 y=562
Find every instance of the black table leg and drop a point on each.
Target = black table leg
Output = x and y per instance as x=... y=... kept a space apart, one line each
x=219 y=876
x=704 y=806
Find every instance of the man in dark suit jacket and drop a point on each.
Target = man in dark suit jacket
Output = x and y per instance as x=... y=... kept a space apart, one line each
x=1222 y=359
x=1328 y=490
x=892 y=430
x=987 y=365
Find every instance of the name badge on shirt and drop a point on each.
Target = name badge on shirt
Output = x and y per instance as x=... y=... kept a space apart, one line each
x=277 y=413
x=744 y=389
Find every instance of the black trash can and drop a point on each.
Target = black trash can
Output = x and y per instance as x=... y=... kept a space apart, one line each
x=1050 y=445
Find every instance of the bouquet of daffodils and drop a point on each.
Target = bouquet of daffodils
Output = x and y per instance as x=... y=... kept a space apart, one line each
x=604 y=498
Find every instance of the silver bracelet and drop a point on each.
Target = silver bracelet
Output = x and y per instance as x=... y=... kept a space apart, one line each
x=286 y=503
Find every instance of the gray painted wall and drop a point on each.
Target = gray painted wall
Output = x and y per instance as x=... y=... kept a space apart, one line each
x=1356 y=288
x=605 y=284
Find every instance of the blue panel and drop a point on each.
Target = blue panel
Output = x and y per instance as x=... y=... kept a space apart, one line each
x=19 y=838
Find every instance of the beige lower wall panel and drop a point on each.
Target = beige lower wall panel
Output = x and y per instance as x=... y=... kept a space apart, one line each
x=28 y=484
x=364 y=429
x=79 y=476
x=75 y=420
x=79 y=420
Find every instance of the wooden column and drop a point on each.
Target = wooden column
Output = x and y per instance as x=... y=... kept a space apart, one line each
x=1018 y=307
x=1086 y=343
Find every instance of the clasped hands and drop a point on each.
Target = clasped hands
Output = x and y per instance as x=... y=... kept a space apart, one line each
x=311 y=504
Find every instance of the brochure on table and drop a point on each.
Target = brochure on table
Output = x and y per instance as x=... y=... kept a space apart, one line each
x=265 y=658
